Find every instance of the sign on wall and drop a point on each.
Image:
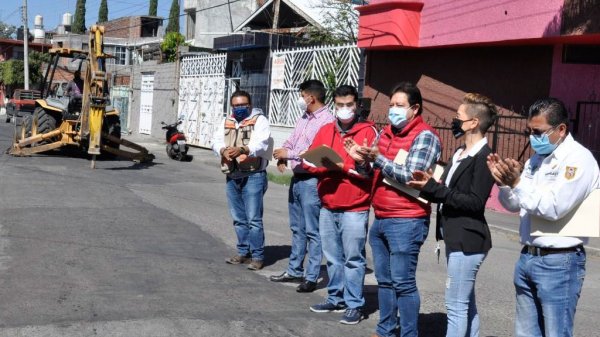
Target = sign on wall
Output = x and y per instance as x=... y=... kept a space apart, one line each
x=278 y=72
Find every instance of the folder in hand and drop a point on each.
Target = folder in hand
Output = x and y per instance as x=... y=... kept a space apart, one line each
x=401 y=160
x=316 y=155
x=582 y=221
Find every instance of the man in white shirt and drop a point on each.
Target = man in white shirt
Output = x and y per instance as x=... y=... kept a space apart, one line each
x=558 y=177
x=242 y=141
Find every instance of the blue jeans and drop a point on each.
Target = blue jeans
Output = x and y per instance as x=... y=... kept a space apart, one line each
x=245 y=198
x=396 y=243
x=304 y=206
x=343 y=236
x=547 y=289
x=463 y=319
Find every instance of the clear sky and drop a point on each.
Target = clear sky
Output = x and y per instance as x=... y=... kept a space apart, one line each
x=52 y=10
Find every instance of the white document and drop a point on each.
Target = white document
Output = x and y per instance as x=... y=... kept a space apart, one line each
x=316 y=155
x=582 y=221
x=401 y=160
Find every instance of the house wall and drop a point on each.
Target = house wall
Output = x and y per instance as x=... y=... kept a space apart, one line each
x=389 y=23
x=574 y=82
x=213 y=18
x=513 y=77
x=165 y=97
x=446 y=22
x=126 y=27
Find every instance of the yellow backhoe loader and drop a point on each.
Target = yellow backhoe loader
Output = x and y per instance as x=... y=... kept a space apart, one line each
x=87 y=122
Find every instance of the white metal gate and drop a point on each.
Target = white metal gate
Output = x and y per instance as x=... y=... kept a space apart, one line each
x=120 y=100
x=147 y=89
x=201 y=96
x=332 y=65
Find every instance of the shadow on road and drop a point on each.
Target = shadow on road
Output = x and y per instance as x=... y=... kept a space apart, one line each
x=432 y=324
x=276 y=253
x=134 y=166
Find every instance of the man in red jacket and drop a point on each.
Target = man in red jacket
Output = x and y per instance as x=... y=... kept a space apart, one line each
x=401 y=222
x=345 y=196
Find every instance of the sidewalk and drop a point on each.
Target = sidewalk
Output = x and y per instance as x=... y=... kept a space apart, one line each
x=498 y=219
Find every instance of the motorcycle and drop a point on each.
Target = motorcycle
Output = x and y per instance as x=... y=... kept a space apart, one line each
x=177 y=147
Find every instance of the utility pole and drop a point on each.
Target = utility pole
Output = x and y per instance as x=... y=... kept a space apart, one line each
x=230 y=17
x=25 y=45
x=276 y=6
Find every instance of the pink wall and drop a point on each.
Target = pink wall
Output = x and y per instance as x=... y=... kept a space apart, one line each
x=445 y=22
x=574 y=82
x=456 y=22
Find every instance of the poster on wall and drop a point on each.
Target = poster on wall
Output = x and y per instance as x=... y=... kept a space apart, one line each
x=278 y=72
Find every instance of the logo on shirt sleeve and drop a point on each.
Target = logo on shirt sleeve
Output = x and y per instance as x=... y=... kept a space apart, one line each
x=570 y=172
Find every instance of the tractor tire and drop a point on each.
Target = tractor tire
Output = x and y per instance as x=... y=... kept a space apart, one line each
x=46 y=122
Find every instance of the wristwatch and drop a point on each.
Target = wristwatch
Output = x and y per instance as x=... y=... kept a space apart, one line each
x=242 y=150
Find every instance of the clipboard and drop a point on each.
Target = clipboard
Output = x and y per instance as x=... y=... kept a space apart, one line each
x=316 y=155
x=401 y=160
x=582 y=221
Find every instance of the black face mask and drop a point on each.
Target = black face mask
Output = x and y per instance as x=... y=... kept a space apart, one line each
x=456 y=126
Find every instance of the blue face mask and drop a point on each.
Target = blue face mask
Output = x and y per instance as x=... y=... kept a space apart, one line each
x=241 y=113
x=397 y=116
x=541 y=145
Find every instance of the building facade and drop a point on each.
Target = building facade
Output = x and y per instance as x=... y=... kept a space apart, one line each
x=514 y=52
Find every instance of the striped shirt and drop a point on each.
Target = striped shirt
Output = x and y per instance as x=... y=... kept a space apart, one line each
x=304 y=133
x=424 y=152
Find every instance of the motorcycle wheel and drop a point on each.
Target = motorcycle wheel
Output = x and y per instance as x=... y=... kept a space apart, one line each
x=170 y=153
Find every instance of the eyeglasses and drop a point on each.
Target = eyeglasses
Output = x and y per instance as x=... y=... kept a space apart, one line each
x=539 y=133
x=243 y=105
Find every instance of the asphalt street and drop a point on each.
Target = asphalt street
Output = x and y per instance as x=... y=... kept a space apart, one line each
x=139 y=250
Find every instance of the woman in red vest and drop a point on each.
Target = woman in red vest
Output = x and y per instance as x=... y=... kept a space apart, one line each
x=401 y=222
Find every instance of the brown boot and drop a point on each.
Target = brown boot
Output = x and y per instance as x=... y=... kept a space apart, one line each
x=237 y=259
x=255 y=264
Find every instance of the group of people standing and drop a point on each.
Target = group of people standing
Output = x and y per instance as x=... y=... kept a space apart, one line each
x=329 y=204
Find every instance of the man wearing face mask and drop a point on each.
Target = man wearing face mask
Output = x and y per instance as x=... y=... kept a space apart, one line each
x=303 y=201
x=549 y=273
x=401 y=223
x=345 y=196
x=242 y=143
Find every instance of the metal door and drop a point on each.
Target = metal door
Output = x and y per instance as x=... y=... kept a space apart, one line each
x=120 y=100
x=147 y=94
x=201 y=96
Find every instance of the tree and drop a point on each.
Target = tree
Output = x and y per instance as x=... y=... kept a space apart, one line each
x=170 y=44
x=12 y=71
x=103 y=12
x=36 y=67
x=7 y=31
x=153 y=7
x=13 y=74
x=340 y=24
x=79 y=20
x=173 y=25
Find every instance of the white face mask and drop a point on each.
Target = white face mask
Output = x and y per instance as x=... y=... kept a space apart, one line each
x=302 y=104
x=345 y=114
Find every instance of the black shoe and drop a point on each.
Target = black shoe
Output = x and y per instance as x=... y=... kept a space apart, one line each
x=307 y=287
x=285 y=277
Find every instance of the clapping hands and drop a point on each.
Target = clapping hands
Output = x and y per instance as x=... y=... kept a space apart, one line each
x=360 y=154
x=506 y=172
x=420 y=178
